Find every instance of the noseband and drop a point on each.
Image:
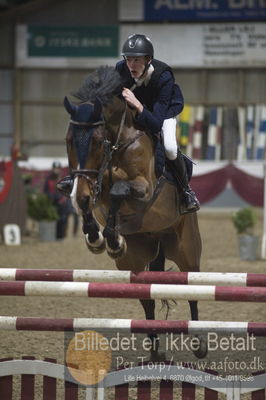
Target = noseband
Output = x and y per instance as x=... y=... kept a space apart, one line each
x=96 y=184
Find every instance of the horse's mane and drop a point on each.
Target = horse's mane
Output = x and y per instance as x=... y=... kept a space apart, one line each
x=103 y=84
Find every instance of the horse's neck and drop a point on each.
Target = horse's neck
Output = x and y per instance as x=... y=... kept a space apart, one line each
x=122 y=130
x=119 y=120
x=112 y=114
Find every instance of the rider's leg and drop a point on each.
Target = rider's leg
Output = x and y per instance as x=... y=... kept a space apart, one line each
x=190 y=202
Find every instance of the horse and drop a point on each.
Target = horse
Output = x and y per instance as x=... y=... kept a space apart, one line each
x=127 y=209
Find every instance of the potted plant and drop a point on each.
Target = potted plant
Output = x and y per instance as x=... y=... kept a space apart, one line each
x=41 y=209
x=244 y=221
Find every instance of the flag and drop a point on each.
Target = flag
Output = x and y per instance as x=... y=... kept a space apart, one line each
x=212 y=133
x=261 y=138
x=241 y=148
x=197 y=133
x=249 y=132
x=184 y=126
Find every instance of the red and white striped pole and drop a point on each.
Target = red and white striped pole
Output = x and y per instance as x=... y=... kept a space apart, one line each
x=134 y=291
x=130 y=326
x=159 y=277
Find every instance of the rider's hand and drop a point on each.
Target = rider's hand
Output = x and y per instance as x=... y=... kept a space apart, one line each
x=132 y=100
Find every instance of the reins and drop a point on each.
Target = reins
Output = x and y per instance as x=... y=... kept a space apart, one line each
x=122 y=122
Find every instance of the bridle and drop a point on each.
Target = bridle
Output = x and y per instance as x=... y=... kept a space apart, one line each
x=109 y=149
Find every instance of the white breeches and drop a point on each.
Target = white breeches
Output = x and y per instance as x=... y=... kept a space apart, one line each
x=169 y=138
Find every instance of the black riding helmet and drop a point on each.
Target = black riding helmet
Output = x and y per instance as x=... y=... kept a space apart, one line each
x=137 y=45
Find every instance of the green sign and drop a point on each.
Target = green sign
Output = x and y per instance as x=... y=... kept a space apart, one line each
x=61 y=41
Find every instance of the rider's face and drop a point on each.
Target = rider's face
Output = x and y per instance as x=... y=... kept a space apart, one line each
x=136 y=65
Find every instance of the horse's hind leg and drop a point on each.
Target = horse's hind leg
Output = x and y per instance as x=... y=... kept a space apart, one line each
x=149 y=309
x=189 y=251
x=158 y=263
x=193 y=305
x=141 y=248
x=184 y=248
x=149 y=305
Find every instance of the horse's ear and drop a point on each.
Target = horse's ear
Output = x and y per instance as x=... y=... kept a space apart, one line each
x=97 y=109
x=70 y=107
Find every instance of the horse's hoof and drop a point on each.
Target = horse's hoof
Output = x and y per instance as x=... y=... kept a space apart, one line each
x=119 y=251
x=97 y=247
x=203 y=349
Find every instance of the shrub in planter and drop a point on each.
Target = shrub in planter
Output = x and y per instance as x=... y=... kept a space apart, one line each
x=41 y=209
x=244 y=221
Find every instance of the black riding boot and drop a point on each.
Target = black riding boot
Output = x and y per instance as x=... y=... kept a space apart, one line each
x=65 y=185
x=189 y=201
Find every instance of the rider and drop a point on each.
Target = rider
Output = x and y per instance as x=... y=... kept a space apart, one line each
x=149 y=88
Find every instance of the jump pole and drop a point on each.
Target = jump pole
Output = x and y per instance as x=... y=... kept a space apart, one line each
x=130 y=326
x=159 y=277
x=133 y=291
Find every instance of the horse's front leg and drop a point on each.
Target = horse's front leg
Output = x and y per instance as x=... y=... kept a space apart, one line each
x=93 y=236
x=115 y=243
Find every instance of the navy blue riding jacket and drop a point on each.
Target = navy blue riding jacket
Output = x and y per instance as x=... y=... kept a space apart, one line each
x=161 y=98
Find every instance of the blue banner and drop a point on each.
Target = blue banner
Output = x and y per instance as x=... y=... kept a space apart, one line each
x=204 y=10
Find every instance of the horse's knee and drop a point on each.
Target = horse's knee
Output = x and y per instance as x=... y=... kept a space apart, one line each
x=140 y=188
x=120 y=190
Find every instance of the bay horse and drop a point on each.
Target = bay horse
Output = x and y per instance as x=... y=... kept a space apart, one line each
x=112 y=162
